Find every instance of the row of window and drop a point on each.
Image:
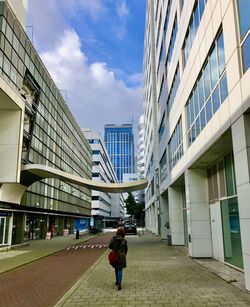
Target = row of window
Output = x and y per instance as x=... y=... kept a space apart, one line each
x=193 y=27
x=209 y=91
x=173 y=90
x=175 y=145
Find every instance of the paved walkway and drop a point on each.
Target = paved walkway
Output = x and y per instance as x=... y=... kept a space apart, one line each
x=157 y=275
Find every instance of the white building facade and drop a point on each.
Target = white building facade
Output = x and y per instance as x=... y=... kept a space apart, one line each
x=106 y=207
x=140 y=157
x=197 y=126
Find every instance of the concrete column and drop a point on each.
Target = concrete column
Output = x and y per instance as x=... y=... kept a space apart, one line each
x=164 y=216
x=175 y=201
x=241 y=149
x=10 y=229
x=198 y=218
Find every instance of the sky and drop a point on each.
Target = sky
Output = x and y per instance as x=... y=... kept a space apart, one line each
x=93 y=50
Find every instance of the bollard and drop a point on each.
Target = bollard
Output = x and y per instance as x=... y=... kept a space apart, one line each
x=77 y=234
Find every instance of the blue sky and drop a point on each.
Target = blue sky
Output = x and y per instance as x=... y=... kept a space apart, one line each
x=94 y=50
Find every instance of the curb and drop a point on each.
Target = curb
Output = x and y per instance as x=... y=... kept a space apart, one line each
x=63 y=300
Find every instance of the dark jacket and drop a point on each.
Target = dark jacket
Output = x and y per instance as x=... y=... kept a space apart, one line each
x=119 y=245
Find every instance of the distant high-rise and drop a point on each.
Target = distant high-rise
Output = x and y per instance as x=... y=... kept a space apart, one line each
x=119 y=141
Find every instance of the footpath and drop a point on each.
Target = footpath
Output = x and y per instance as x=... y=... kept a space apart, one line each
x=37 y=249
x=156 y=275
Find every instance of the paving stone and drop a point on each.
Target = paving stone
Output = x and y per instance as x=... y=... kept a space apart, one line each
x=157 y=275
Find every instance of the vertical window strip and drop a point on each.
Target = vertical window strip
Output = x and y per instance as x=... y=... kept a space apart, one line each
x=175 y=145
x=163 y=167
x=193 y=27
x=162 y=127
x=171 y=44
x=173 y=90
x=209 y=92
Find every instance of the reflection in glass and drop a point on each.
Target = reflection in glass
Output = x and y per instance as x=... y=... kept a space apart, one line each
x=223 y=88
x=214 y=67
x=216 y=99
x=244 y=10
x=208 y=110
x=246 y=53
x=231 y=232
x=207 y=80
x=197 y=125
x=201 y=91
x=203 y=119
x=221 y=55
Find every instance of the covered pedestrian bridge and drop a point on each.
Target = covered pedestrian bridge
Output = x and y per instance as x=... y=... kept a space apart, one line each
x=30 y=173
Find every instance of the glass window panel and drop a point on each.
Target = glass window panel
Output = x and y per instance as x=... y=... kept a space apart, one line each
x=201 y=91
x=193 y=133
x=190 y=137
x=197 y=126
x=6 y=66
x=244 y=10
x=188 y=115
x=216 y=99
x=203 y=119
x=207 y=80
x=196 y=101
x=223 y=88
x=201 y=6
x=231 y=232
x=221 y=54
x=229 y=174
x=246 y=53
x=192 y=33
x=208 y=110
x=191 y=109
x=196 y=18
x=214 y=67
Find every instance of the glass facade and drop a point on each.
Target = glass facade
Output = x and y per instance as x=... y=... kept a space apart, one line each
x=175 y=145
x=231 y=232
x=209 y=92
x=52 y=136
x=173 y=90
x=244 y=13
x=119 y=141
x=193 y=27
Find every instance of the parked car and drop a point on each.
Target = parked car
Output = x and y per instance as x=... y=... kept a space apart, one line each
x=130 y=228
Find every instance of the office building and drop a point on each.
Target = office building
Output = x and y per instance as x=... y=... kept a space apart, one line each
x=140 y=158
x=197 y=126
x=106 y=207
x=36 y=127
x=119 y=141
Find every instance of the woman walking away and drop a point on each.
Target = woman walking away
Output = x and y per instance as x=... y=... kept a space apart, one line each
x=119 y=245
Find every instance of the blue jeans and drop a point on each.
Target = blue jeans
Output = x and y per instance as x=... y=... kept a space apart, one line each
x=118 y=275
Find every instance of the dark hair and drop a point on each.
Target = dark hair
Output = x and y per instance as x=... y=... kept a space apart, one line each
x=120 y=231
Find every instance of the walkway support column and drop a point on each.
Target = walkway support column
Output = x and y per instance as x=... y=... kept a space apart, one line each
x=241 y=149
x=175 y=204
x=198 y=218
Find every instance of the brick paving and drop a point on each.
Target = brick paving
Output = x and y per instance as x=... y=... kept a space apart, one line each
x=157 y=275
x=45 y=281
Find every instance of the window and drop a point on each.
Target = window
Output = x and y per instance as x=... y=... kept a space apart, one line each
x=163 y=167
x=193 y=27
x=244 y=13
x=173 y=90
x=171 y=44
x=175 y=145
x=167 y=16
x=162 y=127
x=209 y=91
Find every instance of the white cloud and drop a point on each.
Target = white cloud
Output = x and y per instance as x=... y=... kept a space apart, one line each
x=122 y=10
x=135 y=79
x=95 y=96
x=92 y=7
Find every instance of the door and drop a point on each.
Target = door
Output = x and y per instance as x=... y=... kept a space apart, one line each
x=216 y=229
x=231 y=232
x=2 y=229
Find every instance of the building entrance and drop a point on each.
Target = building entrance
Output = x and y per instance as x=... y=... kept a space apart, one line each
x=231 y=232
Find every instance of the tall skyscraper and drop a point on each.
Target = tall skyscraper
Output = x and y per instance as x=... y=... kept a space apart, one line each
x=119 y=141
x=197 y=126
